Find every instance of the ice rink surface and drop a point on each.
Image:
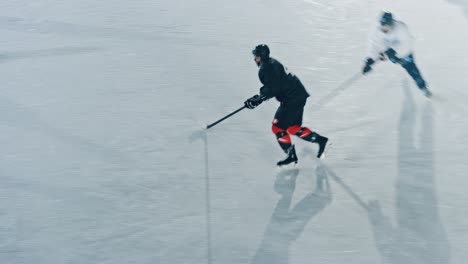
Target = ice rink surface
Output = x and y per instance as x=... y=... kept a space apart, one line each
x=103 y=159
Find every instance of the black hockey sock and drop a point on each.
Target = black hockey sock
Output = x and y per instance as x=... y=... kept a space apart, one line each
x=284 y=140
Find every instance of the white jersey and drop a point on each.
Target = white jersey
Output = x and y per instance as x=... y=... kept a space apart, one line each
x=399 y=39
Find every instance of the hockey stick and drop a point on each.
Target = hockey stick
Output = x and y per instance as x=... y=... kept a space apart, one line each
x=224 y=118
x=343 y=86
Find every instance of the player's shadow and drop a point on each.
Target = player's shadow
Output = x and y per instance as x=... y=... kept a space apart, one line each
x=287 y=224
x=44 y=53
x=419 y=236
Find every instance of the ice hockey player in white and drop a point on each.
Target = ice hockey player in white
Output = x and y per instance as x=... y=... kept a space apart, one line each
x=392 y=40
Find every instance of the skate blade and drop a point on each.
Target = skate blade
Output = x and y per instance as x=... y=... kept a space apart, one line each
x=291 y=165
x=325 y=152
x=428 y=95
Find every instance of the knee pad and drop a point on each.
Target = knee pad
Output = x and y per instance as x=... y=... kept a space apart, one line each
x=276 y=129
x=281 y=135
x=293 y=130
x=302 y=132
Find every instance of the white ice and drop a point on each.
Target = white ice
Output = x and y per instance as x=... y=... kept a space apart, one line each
x=102 y=158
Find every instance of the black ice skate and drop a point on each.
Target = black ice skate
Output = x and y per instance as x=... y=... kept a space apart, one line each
x=322 y=142
x=426 y=92
x=292 y=157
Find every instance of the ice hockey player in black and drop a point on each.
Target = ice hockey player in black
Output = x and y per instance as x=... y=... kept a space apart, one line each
x=292 y=95
x=392 y=40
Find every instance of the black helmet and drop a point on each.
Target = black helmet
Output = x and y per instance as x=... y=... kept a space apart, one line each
x=387 y=19
x=261 y=51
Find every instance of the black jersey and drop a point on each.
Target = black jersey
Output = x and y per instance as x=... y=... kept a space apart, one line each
x=279 y=83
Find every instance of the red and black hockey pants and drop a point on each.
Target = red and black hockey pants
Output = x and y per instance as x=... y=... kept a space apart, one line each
x=288 y=121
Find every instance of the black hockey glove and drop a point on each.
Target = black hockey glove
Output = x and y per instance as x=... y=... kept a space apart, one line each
x=254 y=101
x=368 y=66
x=391 y=54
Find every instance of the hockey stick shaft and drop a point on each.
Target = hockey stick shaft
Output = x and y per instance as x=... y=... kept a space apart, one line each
x=224 y=118
x=343 y=86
